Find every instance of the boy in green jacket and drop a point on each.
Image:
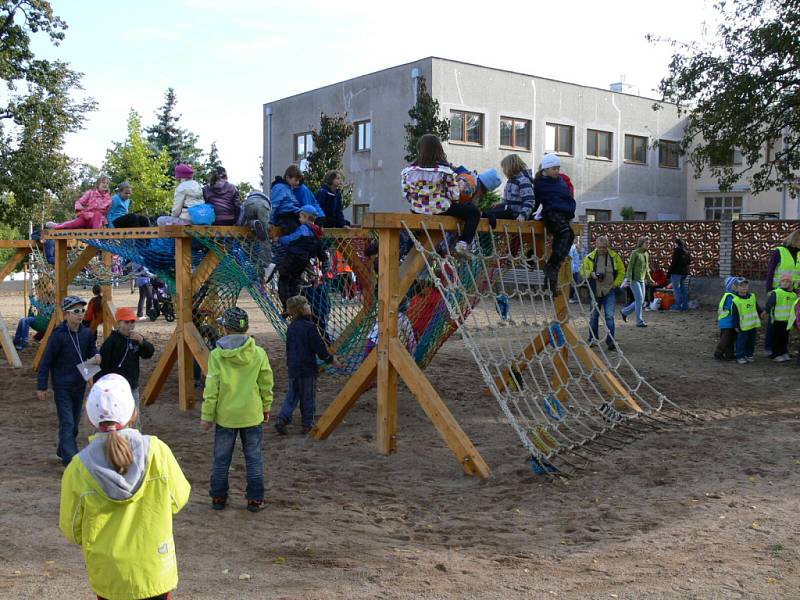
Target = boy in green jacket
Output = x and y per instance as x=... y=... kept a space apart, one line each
x=237 y=397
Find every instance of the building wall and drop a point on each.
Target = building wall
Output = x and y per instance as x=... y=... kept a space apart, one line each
x=384 y=97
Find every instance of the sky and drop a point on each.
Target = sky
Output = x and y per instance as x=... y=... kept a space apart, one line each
x=226 y=59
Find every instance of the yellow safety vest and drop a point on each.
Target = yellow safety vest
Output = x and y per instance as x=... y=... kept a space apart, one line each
x=748 y=316
x=722 y=312
x=792 y=315
x=784 y=301
x=787 y=265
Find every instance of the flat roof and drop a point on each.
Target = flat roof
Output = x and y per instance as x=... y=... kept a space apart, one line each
x=461 y=62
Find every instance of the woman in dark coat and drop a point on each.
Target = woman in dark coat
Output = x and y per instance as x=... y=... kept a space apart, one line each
x=678 y=271
x=223 y=196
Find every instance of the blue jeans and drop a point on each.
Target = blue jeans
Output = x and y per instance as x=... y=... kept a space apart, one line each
x=302 y=390
x=637 y=287
x=608 y=303
x=681 y=292
x=23 y=331
x=69 y=404
x=745 y=343
x=224 y=443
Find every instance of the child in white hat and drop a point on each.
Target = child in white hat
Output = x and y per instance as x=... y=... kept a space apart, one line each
x=123 y=486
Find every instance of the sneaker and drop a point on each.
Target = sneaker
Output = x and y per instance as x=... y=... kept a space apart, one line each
x=269 y=271
x=260 y=230
x=592 y=343
x=612 y=347
x=255 y=505
x=307 y=430
x=50 y=224
x=280 y=427
x=767 y=352
x=780 y=359
x=642 y=324
x=572 y=301
x=624 y=316
x=219 y=502
x=462 y=248
x=751 y=359
x=786 y=357
x=741 y=361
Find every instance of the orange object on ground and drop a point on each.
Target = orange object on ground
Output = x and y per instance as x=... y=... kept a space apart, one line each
x=667 y=298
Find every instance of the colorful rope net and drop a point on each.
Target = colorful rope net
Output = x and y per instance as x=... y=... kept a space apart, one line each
x=562 y=399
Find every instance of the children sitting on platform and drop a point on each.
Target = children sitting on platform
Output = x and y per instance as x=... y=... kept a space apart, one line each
x=553 y=195
x=120 y=216
x=430 y=187
x=297 y=249
x=187 y=194
x=518 y=199
x=780 y=303
x=91 y=208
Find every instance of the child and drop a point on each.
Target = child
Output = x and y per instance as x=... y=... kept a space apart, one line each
x=237 y=397
x=91 y=208
x=518 y=199
x=120 y=353
x=430 y=187
x=223 y=196
x=472 y=185
x=745 y=312
x=296 y=250
x=69 y=345
x=187 y=194
x=780 y=303
x=727 y=331
x=288 y=196
x=329 y=199
x=303 y=346
x=94 y=310
x=557 y=204
x=120 y=215
x=256 y=213
x=117 y=500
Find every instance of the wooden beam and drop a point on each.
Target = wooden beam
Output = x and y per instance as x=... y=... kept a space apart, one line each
x=415 y=262
x=356 y=385
x=535 y=347
x=18 y=243
x=197 y=345
x=83 y=259
x=560 y=377
x=430 y=222
x=183 y=314
x=172 y=231
x=204 y=270
x=161 y=371
x=108 y=299
x=388 y=302
x=11 y=264
x=8 y=345
x=447 y=426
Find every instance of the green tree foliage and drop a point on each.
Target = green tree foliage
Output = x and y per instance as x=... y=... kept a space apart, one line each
x=424 y=119
x=329 y=143
x=36 y=112
x=210 y=165
x=165 y=134
x=488 y=200
x=244 y=188
x=135 y=161
x=741 y=90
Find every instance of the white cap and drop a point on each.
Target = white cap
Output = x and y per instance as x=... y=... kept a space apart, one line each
x=550 y=160
x=110 y=400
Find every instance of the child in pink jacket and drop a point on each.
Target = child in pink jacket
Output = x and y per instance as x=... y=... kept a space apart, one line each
x=92 y=208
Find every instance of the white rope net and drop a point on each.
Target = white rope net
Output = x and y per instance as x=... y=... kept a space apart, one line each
x=561 y=397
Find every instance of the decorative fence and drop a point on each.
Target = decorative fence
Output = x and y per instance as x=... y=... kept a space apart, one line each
x=718 y=248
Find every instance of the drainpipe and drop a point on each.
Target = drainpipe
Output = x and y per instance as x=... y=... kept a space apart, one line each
x=268 y=157
x=415 y=75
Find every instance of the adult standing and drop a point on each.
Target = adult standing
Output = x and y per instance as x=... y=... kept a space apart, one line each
x=678 y=272
x=329 y=198
x=605 y=271
x=145 y=292
x=783 y=259
x=223 y=196
x=637 y=276
x=575 y=263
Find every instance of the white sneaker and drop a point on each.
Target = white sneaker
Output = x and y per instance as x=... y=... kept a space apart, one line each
x=782 y=358
x=462 y=248
x=50 y=224
x=741 y=361
x=751 y=359
x=786 y=357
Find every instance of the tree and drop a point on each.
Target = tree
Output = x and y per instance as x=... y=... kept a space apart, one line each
x=424 y=119
x=741 y=91
x=136 y=162
x=211 y=163
x=329 y=142
x=36 y=113
x=180 y=144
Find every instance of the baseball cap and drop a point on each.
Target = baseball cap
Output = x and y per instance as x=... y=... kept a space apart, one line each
x=71 y=301
x=110 y=400
x=310 y=209
x=234 y=319
x=125 y=313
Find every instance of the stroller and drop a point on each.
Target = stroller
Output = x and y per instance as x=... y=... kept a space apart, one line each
x=162 y=301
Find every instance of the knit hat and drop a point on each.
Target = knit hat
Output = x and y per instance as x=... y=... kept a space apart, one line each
x=234 y=319
x=110 y=400
x=311 y=209
x=126 y=313
x=550 y=160
x=184 y=171
x=71 y=301
x=490 y=179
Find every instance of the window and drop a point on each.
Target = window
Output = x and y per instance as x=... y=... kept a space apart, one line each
x=636 y=149
x=668 y=153
x=598 y=144
x=596 y=215
x=722 y=208
x=359 y=210
x=515 y=133
x=639 y=216
x=726 y=158
x=466 y=127
x=303 y=145
x=558 y=138
x=363 y=136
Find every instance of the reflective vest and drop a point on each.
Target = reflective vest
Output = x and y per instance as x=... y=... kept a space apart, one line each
x=784 y=301
x=786 y=265
x=792 y=315
x=748 y=316
x=722 y=312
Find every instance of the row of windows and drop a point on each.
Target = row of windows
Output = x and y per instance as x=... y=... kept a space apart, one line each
x=515 y=134
x=718 y=208
x=362 y=140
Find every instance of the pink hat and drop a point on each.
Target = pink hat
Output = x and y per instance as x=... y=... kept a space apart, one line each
x=184 y=171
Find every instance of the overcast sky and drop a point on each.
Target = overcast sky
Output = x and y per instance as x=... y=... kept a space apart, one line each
x=226 y=59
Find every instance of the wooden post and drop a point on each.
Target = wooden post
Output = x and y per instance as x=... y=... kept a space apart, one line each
x=183 y=314
x=388 y=302
x=108 y=298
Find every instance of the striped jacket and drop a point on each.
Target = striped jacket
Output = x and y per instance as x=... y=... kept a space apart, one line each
x=518 y=194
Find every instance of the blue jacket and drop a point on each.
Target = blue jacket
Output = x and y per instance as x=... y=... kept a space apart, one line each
x=304 y=196
x=119 y=208
x=302 y=243
x=332 y=205
x=61 y=357
x=554 y=196
x=303 y=345
x=283 y=200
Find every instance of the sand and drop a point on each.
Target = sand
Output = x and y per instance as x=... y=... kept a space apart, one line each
x=703 y=511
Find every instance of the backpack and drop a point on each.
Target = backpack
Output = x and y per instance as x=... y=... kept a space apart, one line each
x=202 y=214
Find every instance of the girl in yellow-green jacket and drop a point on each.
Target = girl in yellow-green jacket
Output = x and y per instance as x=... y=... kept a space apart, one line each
x=118 y=496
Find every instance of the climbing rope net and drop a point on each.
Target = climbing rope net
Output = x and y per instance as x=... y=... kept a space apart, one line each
x=563 y=398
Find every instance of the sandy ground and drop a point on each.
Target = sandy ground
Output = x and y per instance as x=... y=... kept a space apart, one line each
x=705 y=511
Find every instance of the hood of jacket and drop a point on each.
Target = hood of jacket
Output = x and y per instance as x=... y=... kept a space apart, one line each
x=115 y=485
x=240 y=348
x=190 y=188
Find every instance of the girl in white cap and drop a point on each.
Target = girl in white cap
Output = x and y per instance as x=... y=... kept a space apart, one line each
x=123 y=486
